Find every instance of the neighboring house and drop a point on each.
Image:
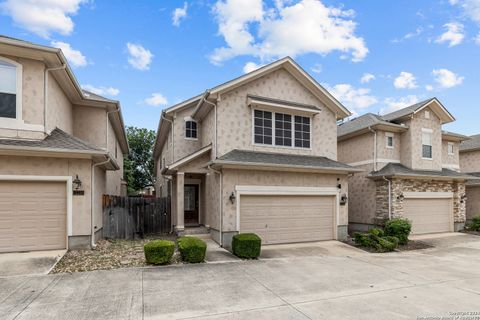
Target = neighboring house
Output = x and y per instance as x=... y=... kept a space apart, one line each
x=61 y=149
x=470 y=163
x=410 y=169
x=256 y=154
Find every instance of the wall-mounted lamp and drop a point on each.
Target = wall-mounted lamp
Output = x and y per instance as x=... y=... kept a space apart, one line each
x=232 y=197
x=343 y=199
x=77 y=183
x=339 y=185
x=401 y=197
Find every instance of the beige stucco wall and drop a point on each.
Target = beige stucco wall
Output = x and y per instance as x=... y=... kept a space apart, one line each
x=357 y=149
x=473 y=201
x=361 y=200
x=450 y=161
x=207 y=128
x=21 y=165
x=235 y=117
x=470 y=161
x=90 y=125
x=59 y=109
x=184 y=147
x=32 y=90
x=384 y=152
x=232 y=178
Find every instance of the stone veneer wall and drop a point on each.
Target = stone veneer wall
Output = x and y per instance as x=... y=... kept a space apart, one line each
x=410 y=185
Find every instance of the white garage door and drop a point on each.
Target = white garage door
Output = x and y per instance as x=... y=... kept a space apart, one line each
x=32 y=216
x=429 y=215
x=288 y=219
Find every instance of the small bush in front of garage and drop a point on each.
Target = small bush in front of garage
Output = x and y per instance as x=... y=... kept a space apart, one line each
x=192 y=249
x=159 y=251
x=376 y=240
x=246 y=245
x=399 y=228
x=475 y=224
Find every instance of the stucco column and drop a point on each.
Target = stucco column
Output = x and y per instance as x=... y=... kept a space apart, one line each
x=180 y=225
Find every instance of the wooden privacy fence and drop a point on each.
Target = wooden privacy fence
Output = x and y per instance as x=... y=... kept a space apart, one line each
x=135 y=217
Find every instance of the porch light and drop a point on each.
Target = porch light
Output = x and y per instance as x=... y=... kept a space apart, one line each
x=401 y=197
x=77 y=183
x=232 y=197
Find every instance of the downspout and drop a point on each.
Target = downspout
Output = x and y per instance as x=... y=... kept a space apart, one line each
x=389 y=197
x=220 y=204
x=374 y=148
x=169 y=181
x=117 y=109
x=173 y=134
x=45 y=94
x=92 y=200
x=204 y=99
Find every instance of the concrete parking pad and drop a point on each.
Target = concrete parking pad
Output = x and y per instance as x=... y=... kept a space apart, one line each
x=320 y=248
x=316 y=283
x=217 y=254
x=29 y=263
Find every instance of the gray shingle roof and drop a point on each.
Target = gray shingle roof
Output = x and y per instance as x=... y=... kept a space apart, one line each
x=396 y=169
x=362 y=122
x=57 y=139
x=405 y=111
x=475 y=182
x=280 y=159
x=472 y=144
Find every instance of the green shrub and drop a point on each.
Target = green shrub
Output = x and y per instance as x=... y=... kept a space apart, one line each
x=246 y=245
x=159 y=251
x=387 y=243
x=399 y=228
x=372 y=240
x=192 y=249
x=377 y=232
x=475 y=224
x=363 y=239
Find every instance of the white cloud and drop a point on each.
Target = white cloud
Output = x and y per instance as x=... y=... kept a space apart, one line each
x=156 y=99
x=367 y=77
x=429 y=87
x=102 y=91
x=351 y=97
x=307 y=26
x=139 y=57
x=446 y=78
x=409 y=35
x=251 y=66
x=317 y=68
x=74 y=57
x=454 y=34
x=405 y=80
x=397 y=104
x=471 y=8
x=477 y=39
x=179 y=14
x=43 y=17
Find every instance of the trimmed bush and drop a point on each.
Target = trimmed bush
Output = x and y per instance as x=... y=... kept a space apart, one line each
x=399 y=228
x=246 y=245
x=372 y=240
x=475 y=224
x=192 y=249
x=159 y=251
x=377 y=232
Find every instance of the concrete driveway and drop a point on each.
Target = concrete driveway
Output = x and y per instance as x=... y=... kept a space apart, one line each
x=29 y=263
x=321 y=285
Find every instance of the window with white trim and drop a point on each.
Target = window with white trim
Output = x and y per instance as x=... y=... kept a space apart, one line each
x=191 y=131
x=8 y=90
x=389 y=140
x=426 y=145
x=427 y=114
x=285 y=131
x=262 y=129
x=451 y=149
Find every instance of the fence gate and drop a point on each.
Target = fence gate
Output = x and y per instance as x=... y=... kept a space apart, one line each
x=134 y=217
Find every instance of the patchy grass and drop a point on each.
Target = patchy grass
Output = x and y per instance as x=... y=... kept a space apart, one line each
x=108 y=255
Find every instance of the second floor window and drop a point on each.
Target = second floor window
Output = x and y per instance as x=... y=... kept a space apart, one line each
x=191 y=129
x=389 y=140
x=8 y=90
x=286 y=130
x=451 y=149
x=427 y=145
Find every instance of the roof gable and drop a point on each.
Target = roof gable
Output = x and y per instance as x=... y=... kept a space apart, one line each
x=434 y=104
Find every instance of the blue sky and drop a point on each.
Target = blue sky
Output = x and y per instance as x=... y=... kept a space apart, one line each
x=375 y=56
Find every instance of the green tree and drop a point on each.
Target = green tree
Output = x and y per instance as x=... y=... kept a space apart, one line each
x=138 y=165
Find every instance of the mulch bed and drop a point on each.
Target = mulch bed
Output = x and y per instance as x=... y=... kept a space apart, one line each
x=410 y=246
x=108 y=255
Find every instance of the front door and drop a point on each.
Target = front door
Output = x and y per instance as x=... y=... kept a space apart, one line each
x=191 y=204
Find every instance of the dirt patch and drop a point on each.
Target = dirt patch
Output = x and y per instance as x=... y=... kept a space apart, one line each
x=411 y=245
x=109 y=254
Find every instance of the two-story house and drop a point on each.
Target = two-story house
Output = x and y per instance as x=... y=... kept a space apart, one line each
x=411 y=169
x=256 y=154
x=61 y=149
x=470 y=163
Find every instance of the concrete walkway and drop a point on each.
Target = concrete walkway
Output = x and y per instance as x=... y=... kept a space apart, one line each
x=407 y=285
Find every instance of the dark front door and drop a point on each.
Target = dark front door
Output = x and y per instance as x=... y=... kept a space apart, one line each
x=191 y=204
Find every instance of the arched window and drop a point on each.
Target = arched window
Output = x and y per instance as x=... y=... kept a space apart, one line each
x=10 y=89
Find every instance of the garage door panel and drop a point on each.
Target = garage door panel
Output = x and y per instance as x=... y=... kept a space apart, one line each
x=32 y=216
x=429 y=215
x=284 y=219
